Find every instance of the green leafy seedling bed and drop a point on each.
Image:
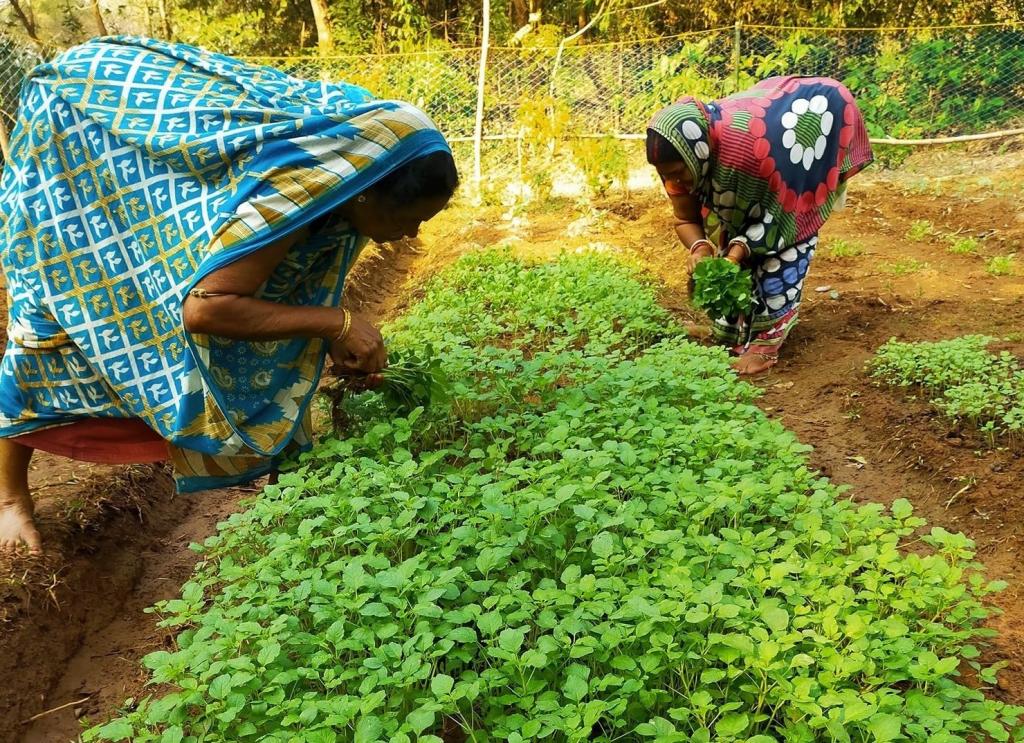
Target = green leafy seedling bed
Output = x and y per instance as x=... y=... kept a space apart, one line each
x=596 y=537
x=962 y=378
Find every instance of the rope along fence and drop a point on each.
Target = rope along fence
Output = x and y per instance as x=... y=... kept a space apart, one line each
x=911 y=83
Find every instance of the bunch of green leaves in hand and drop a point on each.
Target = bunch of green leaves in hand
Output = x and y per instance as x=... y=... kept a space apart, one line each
x=413 y=379
x=722 y=289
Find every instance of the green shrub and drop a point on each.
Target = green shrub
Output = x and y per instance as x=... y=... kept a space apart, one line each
x=1000 y=265
x=903 y=266
x=963 y=246
x=838 y=249
x=604 y=163
x=920 y=229
x=969 y=383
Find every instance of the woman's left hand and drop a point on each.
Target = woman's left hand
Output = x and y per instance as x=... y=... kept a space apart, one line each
x=361 y=351
x=737 y=253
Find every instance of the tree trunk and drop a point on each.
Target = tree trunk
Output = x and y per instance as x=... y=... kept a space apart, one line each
x=478 y=129
x=26 y=21
x=165 y=20
x=101 y=27
x=520 y=13
x=323 y=26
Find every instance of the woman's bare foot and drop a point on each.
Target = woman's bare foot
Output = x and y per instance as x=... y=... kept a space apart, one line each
x=17 y=526
x=751 y=363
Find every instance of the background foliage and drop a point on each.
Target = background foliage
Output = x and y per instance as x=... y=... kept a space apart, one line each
x=909 y=82
x=289 y=26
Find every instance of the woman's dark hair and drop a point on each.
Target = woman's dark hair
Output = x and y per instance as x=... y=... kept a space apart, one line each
x=660 y=150
x=432 y=176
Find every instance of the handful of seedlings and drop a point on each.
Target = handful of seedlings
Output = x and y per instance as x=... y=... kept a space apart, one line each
x=412 y=379
x=722 y=289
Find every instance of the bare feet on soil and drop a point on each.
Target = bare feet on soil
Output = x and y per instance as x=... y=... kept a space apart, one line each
x=751 y=363
x=17 y=526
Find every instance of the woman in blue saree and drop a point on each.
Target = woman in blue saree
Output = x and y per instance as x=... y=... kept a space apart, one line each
x=175 y=230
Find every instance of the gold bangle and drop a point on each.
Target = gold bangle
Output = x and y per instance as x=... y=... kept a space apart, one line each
x=346 y=325
x=742 y=244
x=203 y=294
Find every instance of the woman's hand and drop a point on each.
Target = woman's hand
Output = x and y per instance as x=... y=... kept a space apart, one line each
x=361 y=352
x=702 y=252
x=737 y=253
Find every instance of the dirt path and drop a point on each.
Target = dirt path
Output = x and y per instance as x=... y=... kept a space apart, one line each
x=106 y=668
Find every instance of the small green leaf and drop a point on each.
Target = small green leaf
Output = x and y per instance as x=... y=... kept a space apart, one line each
x=884 y=727
x=489 y=623
x=369 y=729
x=575 y=688
x=902 y=509
x=221 y=686
x=117 y=730
x=775 y=617
x=420 y=719
x=375 y=609
x=268 y=653
x=442 y=684
x=511 y=640
x=732 y=724
x=603 y=544
x=462 y=635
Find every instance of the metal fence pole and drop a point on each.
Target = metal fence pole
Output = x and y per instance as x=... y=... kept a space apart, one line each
x=737 y=39
x=478 y=130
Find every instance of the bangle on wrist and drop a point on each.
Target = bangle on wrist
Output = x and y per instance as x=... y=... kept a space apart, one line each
x=742 y=246
x=702 y=242
x=346 y=326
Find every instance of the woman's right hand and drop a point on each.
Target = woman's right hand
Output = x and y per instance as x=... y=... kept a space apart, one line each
x=361 y=352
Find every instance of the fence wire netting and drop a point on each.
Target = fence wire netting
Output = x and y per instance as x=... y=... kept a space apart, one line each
x=15 y=62
x=910 y=83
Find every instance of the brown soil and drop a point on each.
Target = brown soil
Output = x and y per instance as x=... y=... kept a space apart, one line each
x=86 y=634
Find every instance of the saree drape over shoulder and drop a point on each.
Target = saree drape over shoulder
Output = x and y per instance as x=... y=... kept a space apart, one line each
x=139 y=167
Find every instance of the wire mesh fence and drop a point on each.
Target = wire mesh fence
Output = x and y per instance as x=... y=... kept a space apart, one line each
x=910 y=83
x=15 y=62
x=920 y=82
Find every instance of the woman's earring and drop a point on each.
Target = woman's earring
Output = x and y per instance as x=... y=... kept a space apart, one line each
x=361 y=199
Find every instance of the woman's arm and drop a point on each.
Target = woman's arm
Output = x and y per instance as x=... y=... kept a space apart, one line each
x=689 y=226
x=235 y=313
